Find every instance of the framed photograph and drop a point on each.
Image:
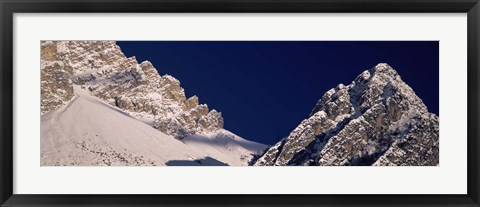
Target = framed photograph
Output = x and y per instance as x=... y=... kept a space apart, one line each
x=239 y=103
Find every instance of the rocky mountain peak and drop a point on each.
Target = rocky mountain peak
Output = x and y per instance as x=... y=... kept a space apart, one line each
x=147 y=68
x=380 y=83
x=354 y=125
x=382 y=72
x=384 y=69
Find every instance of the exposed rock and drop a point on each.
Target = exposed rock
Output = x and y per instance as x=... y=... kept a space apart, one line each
x=191 y=103
x=102 y=68
x=56 y=86
x=170 y=88
x=376 y=120
x=211 y=122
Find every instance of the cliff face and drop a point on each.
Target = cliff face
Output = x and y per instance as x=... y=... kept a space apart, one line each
x=376 y=120
x=101 y=68
x=56 y=86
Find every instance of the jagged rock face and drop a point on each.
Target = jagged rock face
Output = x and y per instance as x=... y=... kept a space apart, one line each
x=376 y=120
x=102 y=68
x=56 y=86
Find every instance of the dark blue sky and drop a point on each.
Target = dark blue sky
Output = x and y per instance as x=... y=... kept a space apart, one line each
x=264 y=89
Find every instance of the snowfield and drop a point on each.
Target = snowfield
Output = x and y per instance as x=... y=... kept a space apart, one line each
x=89 y=132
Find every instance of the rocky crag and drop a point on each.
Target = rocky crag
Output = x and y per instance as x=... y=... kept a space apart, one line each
x=101 y=68
x=376 y=120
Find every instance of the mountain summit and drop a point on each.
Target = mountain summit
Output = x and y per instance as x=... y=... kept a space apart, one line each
x=376 y=120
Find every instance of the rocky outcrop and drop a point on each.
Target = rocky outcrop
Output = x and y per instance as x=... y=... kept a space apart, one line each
x=56 y=86
x=101 y=68
x=376 y=120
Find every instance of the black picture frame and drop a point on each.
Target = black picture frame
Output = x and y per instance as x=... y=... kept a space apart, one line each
x=10 y=7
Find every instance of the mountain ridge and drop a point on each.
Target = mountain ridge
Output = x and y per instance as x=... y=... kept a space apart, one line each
x=102 y=70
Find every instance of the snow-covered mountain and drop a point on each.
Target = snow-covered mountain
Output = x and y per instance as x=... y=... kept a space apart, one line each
x=101 y=108
x=376 y=120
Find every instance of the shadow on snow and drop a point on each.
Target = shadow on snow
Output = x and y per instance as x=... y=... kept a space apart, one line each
x=207 y=161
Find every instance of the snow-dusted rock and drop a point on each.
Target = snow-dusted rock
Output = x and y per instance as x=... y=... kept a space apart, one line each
x=376 y=120
x=102 y=68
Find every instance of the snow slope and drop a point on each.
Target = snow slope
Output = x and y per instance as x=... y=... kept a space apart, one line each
x=89 y=132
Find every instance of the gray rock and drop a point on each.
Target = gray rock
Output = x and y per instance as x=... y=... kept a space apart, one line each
x=376 y=120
